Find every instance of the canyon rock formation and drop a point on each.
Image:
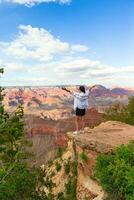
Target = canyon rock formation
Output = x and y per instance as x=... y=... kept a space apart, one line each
x=94 y=141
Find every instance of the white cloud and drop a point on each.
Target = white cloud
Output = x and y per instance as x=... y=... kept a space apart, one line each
x=39 y=44
x=36 y=57
x=22 y=81
x=107 y=71
x=78 y=65
x=15 y=67
x=30 y=3
x=79 y=48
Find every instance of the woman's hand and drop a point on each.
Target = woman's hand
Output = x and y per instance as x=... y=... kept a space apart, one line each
x=63 y=88
x=92 y=87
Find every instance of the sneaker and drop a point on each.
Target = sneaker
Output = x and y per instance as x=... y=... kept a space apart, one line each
x=81 y=131
x=75 y=132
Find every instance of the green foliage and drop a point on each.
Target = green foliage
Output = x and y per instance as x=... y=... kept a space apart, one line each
x=59 y=152
x=50 y=162
x=50 y=196
x=115 y=172
x=74 y=168
x=70 y=167
x=52 y=174
x=58 y=166
x=17 y=180
x=48 y=183
x=1 y=70
x=121 y=113
x=83 y=156
x=60 y=196
x=67 y=167
x=20 y=183
x=71 y=188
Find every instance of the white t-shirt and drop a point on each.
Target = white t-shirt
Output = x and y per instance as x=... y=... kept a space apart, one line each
x=81 y=99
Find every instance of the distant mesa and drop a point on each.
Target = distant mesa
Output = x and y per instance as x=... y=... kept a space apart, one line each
x=56 y=103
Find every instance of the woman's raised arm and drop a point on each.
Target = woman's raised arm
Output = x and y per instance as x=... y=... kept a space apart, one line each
x=63 y=88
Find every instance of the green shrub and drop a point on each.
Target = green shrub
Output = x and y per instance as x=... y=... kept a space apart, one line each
x=83 y=156
x=71 y=188
x=60 y=196
x=50 y=162
x=17 y=179
x=121 y=113
x=67 y=167
x=48 y=183
x=59 y=152
x=52 y=174
x=115 y=172
x=74 y=168
x=50 y=196
x=58 y=166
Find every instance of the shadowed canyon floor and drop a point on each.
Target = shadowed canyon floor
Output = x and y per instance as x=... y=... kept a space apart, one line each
x=47 y=134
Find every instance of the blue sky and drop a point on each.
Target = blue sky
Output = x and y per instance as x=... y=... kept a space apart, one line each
x=67 y=42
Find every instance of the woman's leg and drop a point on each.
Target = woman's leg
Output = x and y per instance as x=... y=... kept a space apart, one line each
x=77 y=120
x=83 y=122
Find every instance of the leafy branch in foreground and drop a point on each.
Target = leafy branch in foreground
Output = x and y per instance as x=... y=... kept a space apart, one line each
x=17 y=180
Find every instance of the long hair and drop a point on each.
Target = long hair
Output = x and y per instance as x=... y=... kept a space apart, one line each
x=82 y=89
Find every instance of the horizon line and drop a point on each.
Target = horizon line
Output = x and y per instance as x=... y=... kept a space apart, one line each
x=67 y=85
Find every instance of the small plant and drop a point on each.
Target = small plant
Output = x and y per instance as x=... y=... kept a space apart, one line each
x=50 y=196
x=83 y=156
x=59 y=152
x=50 y=162
x=58 y=166
x=71 y=188
x=49 y=183
x=74 y=168
x=52 y=174
x=60 y=196
x=67 y=167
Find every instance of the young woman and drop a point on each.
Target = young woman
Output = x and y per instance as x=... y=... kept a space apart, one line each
x=80 y=105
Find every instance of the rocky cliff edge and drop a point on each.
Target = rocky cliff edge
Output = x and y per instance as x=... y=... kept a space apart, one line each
x=84 y=148
x=101 y=139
